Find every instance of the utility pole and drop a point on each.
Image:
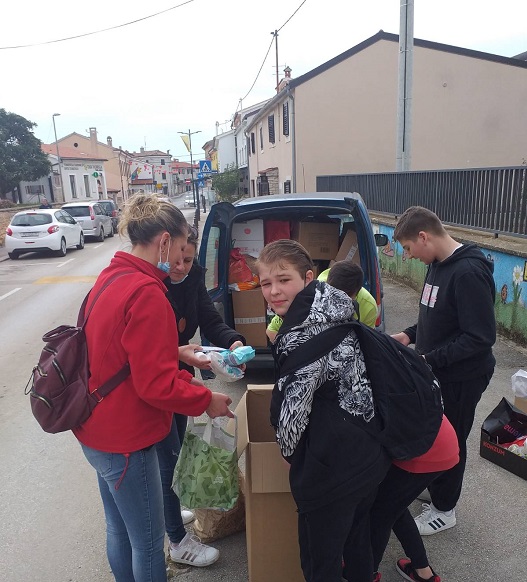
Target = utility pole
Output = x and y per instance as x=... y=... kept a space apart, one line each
x=62 y=193
x=404 y=104
x=195 y=190
x=275 y=34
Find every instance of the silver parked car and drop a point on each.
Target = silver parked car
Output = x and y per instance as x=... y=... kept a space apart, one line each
x=92 y=217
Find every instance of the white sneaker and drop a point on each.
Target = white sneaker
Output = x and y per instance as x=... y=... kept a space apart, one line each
x=187 y=516
x=192 y=552
x=432 y=521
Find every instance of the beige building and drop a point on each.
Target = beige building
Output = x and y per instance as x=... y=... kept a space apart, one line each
x=116 y=166
x=341 y=117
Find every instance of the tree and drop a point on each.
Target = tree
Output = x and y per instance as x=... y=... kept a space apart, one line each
x=21 y=157
x=226 y=184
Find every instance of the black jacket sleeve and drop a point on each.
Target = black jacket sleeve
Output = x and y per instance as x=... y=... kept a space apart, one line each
x=211 y=324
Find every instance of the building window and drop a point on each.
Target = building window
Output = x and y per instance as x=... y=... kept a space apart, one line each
x=270 y=125
x=163 y=176
x=87 y=185
x=162 y=162
x=285 y=114
x=261 y=138
x=287 y=187
x=263 y=185
x=35 y=190
x=73 y=186
x=253 y=147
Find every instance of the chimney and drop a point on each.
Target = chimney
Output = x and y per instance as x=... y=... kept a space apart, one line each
x=93 y=141
x=109 y=141
x=142 y=150
x=287 y=72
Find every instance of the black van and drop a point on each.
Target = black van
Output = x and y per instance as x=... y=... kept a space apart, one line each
x=330 y=225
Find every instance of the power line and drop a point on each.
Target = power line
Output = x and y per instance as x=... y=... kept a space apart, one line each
x=268 y=50
x=97 y=31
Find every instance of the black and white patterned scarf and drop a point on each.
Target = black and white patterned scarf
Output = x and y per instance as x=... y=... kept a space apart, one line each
x=344 y=365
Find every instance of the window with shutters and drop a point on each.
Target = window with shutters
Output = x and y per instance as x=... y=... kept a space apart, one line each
x=270 y=125
x=253 y=146
x=261 y=137
x=287 y=187
x=285 y=114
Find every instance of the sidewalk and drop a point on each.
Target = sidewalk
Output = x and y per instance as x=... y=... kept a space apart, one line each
x=3 y=254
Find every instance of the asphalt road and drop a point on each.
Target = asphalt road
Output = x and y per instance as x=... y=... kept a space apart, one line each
x=51 y=521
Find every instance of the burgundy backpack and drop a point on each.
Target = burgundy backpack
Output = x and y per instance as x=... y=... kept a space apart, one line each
x=58 y=386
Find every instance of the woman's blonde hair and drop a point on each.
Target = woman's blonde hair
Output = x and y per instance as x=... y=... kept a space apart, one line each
x=145 y=216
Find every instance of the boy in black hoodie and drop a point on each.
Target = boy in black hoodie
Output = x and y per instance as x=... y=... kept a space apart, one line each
x=323 y=414
x=455 y=332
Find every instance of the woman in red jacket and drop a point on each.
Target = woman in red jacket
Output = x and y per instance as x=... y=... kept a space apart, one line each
x=133 y=322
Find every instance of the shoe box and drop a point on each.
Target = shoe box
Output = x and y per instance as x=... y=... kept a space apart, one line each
x=271 y=518
x=490 y=448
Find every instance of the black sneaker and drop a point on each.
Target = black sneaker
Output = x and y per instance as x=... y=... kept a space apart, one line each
x=406 y=570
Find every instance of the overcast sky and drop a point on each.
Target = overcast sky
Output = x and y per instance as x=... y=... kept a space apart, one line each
x=189 y=67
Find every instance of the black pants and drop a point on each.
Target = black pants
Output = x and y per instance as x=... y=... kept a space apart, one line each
x=335 y=532
x=460 y=400
x=390 y=511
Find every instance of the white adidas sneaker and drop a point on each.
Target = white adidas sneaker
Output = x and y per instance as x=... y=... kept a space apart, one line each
x=192 y=552
x=432 y=521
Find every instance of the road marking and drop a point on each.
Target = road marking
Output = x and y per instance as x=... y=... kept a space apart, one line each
x=10 y=293
x=66 y=279
x=64 y=263
x=34 y=264
x=97 y=246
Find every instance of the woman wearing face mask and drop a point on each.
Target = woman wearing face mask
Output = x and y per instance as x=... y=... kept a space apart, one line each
x=193 y=308
x=132 y=322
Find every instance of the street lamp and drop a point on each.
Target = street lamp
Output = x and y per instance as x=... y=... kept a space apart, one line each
x=194 y=184
x=58 y=159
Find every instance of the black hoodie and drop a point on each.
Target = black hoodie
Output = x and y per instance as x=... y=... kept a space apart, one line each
x=193 y=307
x=456 y=328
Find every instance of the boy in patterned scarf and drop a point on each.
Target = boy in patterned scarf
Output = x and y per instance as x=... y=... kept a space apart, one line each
x=324 y=416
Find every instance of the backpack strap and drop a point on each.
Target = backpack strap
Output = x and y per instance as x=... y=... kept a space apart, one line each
x=314 y=348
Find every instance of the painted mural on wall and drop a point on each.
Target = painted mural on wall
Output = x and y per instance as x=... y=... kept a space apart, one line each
x=510 y=276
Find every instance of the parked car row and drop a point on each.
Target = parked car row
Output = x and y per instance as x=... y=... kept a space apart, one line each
x=56 y=230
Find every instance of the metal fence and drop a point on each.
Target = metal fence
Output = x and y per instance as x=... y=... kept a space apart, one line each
x=490 y=198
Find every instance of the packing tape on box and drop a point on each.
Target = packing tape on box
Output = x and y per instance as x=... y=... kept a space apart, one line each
x=248 y=320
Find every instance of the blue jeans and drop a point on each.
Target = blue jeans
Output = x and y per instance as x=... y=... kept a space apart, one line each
x=168 y=453
x=135 y=528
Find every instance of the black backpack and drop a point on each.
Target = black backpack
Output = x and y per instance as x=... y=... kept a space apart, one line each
x=58 y=385
x=406 y=394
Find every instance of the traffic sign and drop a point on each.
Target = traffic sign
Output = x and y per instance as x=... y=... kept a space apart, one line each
x=200 y=176
x=201 y=184
x=205 y=166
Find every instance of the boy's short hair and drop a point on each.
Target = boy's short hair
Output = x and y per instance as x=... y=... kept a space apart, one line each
x=416 y=219
x=286 y=251
x=346 y=276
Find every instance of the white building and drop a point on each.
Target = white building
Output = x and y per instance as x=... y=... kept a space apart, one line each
x=154 y=165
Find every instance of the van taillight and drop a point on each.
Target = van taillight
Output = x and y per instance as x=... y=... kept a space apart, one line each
x=92 y=214
x=378 y=297
x=9 y=232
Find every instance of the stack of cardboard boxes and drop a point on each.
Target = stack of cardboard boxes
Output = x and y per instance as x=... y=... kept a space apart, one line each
x=321 y=240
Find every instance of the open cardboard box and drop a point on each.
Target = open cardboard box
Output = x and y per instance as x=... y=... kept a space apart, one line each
x=271 y=518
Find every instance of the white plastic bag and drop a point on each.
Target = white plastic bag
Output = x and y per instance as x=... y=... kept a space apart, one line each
x=519 y=384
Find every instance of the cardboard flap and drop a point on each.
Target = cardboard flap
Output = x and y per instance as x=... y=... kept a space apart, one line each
x=243 y=426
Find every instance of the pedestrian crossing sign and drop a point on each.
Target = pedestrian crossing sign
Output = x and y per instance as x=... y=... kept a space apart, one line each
x=204 y=167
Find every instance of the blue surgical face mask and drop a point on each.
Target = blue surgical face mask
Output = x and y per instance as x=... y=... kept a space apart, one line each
x=164 y=265
x=178 y=282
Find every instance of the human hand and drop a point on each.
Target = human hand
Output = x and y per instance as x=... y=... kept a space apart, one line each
x=188 y=355
x=196 y=382
x=219 y=406
x=236 y=344
x=402 y=338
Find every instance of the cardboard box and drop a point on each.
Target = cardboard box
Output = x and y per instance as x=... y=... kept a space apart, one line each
x=250 y=316
x=320 y=239
x=501 y=456
x=349 y=249
x=521 y=403
x=248 y=236
x=271 y=519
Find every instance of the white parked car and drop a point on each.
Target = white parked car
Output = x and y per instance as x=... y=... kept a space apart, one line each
x=42 y=230
x=189 y=200
x=92 y=217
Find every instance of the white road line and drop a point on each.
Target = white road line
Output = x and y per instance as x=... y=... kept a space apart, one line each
x=10 y=293
x=64 y=263
x=35 y=264
x=97 y=246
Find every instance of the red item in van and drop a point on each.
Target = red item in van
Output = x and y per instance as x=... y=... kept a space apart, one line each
x=276 y=230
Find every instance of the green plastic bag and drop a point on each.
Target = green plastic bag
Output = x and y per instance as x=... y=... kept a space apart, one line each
x=206 y=473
